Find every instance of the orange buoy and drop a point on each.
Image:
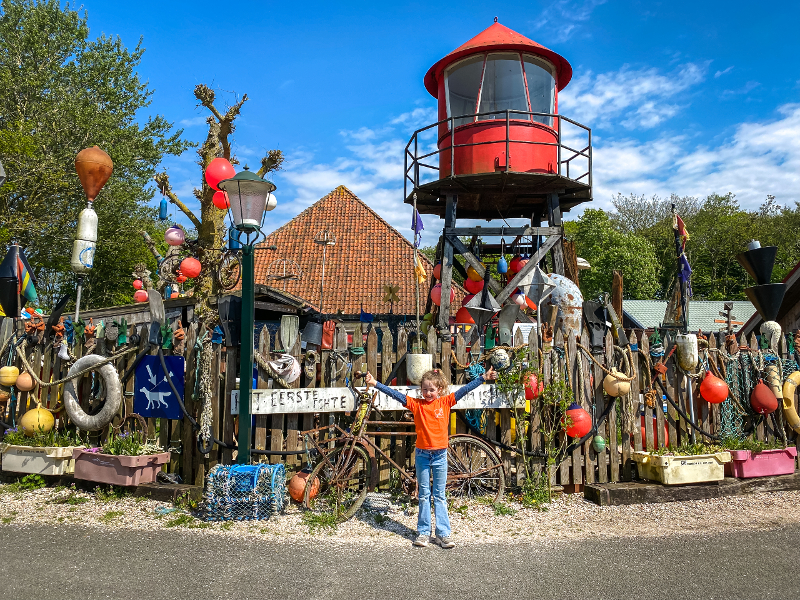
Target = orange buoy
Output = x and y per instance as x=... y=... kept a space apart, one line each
x=297 y=485
x=94 y=167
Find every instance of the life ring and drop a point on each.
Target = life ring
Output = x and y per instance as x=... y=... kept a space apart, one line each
x=789 y=386
x=113 y=401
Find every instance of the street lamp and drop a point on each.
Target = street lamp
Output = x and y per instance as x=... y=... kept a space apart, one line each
x=250 y=197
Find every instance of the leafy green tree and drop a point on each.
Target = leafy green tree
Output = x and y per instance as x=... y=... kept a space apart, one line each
x=60 y=92
x=608 y=249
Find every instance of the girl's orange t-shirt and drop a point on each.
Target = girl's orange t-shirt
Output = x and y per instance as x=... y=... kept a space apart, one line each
x=431 y=420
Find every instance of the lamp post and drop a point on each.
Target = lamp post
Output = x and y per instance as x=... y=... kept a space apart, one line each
x=250 y=198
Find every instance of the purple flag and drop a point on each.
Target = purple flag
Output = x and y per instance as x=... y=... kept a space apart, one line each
x=417 y=227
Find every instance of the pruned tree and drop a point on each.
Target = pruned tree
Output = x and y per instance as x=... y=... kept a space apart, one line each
x=210 y=226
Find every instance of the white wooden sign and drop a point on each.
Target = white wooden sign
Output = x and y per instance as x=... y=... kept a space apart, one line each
x=339 y=399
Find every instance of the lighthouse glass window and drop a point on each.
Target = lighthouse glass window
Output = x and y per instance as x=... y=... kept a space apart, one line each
x=541 y=88
x=463 y=82
x=503 y=87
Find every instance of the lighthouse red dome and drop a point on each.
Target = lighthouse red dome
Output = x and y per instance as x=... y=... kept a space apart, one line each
x=498 y=37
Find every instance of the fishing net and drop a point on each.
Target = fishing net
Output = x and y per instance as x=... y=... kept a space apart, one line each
x=244 y=492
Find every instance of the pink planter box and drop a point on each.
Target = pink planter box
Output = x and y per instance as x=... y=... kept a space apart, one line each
x=747 y=464
x=118 y=470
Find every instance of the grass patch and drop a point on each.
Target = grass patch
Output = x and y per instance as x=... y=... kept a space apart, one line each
x=111 y=515
x=320 y=522
x=72 y=498
x=379 y=518
x=186 y=520
x=7 y=520
x=502 y=509
x=111 y=493
x=27 y=483
x=185 y=502
x=226 y=526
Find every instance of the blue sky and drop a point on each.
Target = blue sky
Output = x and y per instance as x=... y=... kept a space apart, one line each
x=683 y=97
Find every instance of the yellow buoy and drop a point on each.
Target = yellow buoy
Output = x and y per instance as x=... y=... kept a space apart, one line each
x=8 y=375
x=615 y=387
x=37 y=420
x=473 y=274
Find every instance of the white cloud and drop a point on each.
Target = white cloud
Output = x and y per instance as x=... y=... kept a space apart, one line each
x=760 y=158
x=634 y=98
x=564 y=18
x=193 y=121
x=719 y=74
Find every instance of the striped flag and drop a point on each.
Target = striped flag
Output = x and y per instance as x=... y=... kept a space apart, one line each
x=26 y=278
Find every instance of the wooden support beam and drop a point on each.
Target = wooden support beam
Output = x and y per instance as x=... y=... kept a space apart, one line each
x=502 y=231
x=554 y=220
x=447 y=268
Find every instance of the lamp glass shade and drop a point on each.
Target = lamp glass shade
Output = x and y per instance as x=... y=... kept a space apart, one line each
x=248 y=197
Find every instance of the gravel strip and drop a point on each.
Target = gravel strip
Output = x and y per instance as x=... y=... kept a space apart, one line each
x=568 y=517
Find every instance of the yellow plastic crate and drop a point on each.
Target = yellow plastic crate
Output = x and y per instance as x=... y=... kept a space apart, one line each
x=678 y=470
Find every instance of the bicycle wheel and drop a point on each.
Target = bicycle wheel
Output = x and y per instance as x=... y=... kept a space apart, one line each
x=229 y=271
x=474 y=469
x=339 y=485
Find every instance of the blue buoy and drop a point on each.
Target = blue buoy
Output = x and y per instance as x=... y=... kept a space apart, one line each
x=162 y=209
x=233 y=239
x=502 y=265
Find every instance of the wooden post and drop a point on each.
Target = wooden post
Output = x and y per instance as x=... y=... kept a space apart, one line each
x=602 y=429
x=554 y=220
x=589 y=455
x=671 y=383
x=626 y=432
x=447 y=268
x=262 y=383
x=574 y=362
x=616 y=294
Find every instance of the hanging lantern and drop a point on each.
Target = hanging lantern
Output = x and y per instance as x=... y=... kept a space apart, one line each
x=217 y=170
x=463 y=316
x=473 y=274
x=38 y=420
x=25 y=382
x=8 y=376
x=221 y=200
x=190 y=267
x=174 y=236
x=762 y=399
x=533 y=387
x=297 y=485
x=615 y=387
x=581 y=421
x=137 y=284
x=162 y=209
x=140 y=296
x=502 y=265
x=713 y=389
x=513 y=266
x=437 y=271
x=473 y=287
x=436 y=294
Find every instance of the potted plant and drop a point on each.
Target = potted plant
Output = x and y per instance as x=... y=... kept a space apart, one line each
x=124 y=459
x=751 y=458
x=42 y=453
x=694 y=463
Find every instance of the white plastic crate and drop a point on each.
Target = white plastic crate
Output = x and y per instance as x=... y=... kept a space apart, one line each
x=47 y=460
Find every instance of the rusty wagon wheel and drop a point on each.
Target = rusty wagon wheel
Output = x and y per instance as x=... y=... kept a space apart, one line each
x=339 y=485
x=229 y=270
x=474 y=469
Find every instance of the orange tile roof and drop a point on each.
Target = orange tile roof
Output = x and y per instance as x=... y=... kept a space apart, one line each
x=368 y=254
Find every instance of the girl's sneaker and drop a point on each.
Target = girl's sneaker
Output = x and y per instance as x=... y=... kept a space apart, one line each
x=422 y=540
x=445 y=542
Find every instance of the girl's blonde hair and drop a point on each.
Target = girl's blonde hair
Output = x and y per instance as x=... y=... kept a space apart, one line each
x=437 y=378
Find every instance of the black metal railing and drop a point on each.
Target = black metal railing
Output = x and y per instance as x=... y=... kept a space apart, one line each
x=414 y=161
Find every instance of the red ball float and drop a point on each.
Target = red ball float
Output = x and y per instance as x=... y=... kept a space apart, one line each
x=140 y=296
x=437 y=271
x=713 y=389
x=533 y=387
x=763 y=400
x=217 y=170
x=463 y=316
x=221 y=200
x=181 y=278
x=473 y=287
x=190 y=267
x=137 y=284
x=466 y=299
x=513 y=266
x=581 y=421
x=436 y=294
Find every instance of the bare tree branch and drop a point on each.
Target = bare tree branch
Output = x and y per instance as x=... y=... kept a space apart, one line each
x=273 y=161
x=162 y=180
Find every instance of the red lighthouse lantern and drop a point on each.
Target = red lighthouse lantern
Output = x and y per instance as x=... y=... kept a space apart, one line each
x=499 y=70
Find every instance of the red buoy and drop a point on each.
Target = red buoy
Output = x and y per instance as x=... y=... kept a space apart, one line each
x=533 y=387
x=217 y=170
x=463 y=316
x=713 y=389
x=473 y=287
x=190 y=267
x=221 y=200
x=581 y=421
x=762 y=399
x=140 y=296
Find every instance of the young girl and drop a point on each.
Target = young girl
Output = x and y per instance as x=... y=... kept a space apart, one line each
x=432 y=421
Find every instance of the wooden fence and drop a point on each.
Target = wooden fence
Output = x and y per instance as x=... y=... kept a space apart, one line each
x=280 y=432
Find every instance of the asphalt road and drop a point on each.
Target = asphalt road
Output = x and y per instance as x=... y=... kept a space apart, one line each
x=48 y=562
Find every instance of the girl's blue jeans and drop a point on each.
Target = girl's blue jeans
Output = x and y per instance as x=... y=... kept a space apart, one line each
x=432 y=463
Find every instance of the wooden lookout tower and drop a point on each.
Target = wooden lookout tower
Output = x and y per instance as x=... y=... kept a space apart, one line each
x=499 y=150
